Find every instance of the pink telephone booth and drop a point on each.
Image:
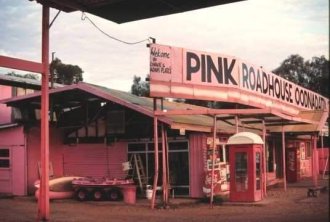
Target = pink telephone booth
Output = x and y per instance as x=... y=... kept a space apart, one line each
x=245 y=160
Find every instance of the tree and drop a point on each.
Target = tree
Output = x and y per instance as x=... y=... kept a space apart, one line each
x=313 y=75
x=140 y=88
x=318 y=73
x=293 y=69
x=66 y=74
x=27 y=76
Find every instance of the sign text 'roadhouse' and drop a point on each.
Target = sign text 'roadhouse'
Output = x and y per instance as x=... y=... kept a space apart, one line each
x=177 y=72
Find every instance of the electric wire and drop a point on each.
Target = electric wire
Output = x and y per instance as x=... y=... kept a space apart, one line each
x=84 y=17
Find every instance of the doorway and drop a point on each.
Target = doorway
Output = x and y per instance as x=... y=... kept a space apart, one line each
x=178 y=163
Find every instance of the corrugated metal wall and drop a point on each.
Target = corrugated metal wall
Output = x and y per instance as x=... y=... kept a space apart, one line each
x=197 y=143
x=96 y=160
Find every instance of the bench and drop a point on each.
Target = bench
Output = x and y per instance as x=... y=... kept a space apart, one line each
x=314 y=191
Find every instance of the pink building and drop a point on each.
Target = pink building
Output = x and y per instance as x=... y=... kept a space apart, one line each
x=95 y=129
x=13 y=158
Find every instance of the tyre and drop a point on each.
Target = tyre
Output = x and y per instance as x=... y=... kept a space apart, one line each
x=98 y=194
x=114 y=195
x=82 y=194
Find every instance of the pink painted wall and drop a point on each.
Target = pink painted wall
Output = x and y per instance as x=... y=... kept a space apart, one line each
x=5 y=112
x=12 y=136
x=14 y=179
x=96 y=160
x=33 y=155
x=197 y=143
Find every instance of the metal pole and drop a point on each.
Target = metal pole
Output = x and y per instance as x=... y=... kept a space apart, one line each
x=156 y=162
x=323 y=154
x=274 y=157
x=264 y=159
x=314 y=161
x=283 y=158
x=164 y=167
x=43 y=201
x=213 y=156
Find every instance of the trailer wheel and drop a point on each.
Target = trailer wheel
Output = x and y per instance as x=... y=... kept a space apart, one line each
x=82 y=194
x=98 y=194
x=114 y=194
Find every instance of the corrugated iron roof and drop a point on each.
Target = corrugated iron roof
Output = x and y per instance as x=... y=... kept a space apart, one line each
x=225 y=124
x=22 y=82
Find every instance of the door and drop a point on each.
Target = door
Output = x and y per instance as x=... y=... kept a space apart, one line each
x=5 y=171
x=178 y=164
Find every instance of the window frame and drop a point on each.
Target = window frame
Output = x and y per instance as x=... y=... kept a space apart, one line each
x=6 y=158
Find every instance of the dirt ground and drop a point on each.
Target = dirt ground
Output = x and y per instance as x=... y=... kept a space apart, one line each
x=292 y=205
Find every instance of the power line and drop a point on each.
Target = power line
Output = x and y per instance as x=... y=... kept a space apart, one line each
x=84 y=17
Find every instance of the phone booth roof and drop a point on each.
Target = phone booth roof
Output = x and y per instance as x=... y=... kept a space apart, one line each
x=245 y=138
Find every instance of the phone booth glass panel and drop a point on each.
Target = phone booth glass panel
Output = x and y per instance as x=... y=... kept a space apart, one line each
x=246 y=174
x=241 y=174
x=258 y=170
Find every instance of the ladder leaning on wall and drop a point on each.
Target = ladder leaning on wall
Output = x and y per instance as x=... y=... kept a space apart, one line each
x=137 y=171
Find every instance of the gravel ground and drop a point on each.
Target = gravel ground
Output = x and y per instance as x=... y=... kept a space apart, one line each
x=292 y=205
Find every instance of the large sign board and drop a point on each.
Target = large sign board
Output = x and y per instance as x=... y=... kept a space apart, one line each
x=183 y=73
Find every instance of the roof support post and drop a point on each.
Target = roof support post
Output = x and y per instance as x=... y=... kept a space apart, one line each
x=324 y=159
x=213 y=158
x=43 y=201
x=156 y=157
x=167 y=167
x=315 y=161
x=165 y=185
x=264 y=159
x=283 y=158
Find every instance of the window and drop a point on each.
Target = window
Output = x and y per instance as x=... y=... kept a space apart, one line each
x=116 y=122
x=258 y=171
x=241 y=176
x=4 y=158
x=270 y=157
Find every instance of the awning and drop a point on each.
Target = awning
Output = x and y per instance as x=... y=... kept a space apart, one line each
x=121 y=11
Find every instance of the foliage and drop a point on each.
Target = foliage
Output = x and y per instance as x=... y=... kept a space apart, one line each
x=66 y=74
x=318 y=72
x=27 y=76
x=313 y=75
x=140 y=88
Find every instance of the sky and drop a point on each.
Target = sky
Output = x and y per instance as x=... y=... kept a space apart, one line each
x=262 y=32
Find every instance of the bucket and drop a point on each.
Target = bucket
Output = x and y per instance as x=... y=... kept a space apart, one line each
x=126 y=166
x=129 y=193
x=149 y=192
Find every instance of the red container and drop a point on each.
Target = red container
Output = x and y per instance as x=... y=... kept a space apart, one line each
x=129 y=193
